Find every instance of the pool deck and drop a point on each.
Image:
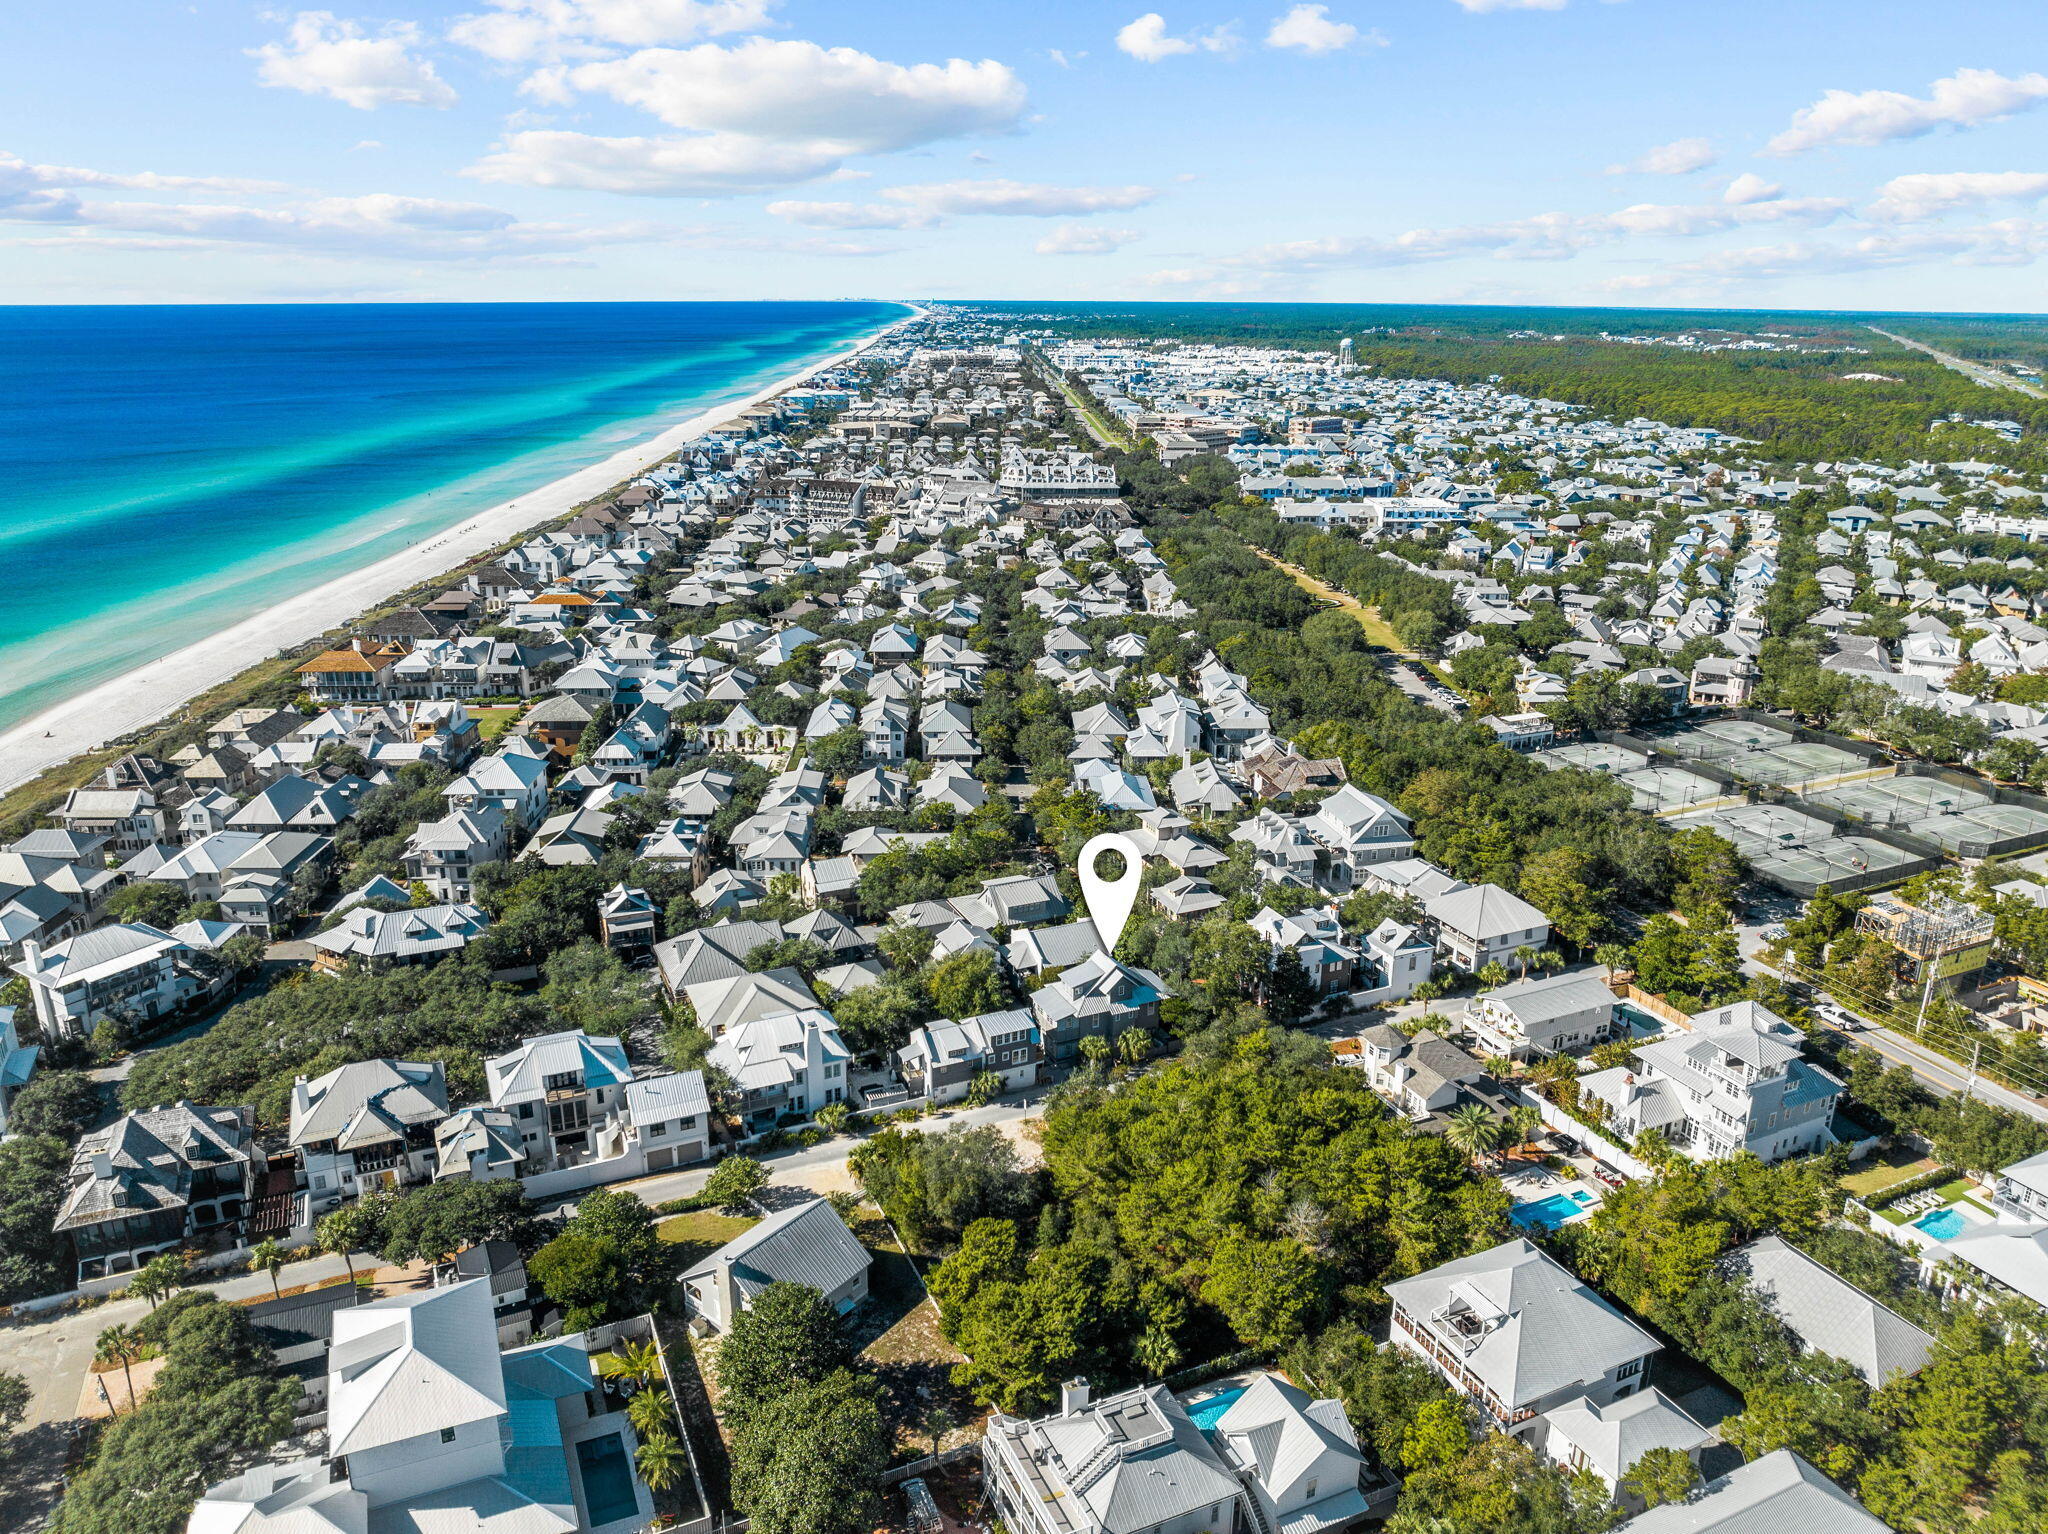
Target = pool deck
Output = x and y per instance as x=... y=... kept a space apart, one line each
x=1533 y=1184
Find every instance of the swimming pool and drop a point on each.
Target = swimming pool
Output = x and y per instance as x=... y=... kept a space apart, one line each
x=1942 y=1224
x=1553 y=1211
x=607 y=1479
x=1206 y=1414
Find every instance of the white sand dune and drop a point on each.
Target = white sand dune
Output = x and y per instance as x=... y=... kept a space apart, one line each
x=145 y=695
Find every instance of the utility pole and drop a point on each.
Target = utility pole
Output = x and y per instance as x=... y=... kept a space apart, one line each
x=1970 y=1085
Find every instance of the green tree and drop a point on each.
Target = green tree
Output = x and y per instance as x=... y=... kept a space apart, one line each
x=1661 y=1475
x=156 y=1278
x=661 y=1460
x=966 y=985
x=1472 y=1129
x=734 y=1182
x=120 y=1344
x=588 y=987
x=1270 y=1292
x=810 y=1459
x=340 y=1234
x=433 y=1222
x=586 y=1275
x=14 y=1399
x=60 y=1103
x=788 y=1338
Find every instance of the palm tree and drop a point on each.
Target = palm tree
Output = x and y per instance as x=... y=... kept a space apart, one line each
x=1472 y=1130
x=637 y=1362
x=651 y=1412
x=1157 y=1351
x=1549 y=960
x=659 y=1460
x=155 y=1279
x=120 y=1344
x=1611 y=957
x=938 y=1422
x=1494 y=975
x=268 y=1257
x=832 y=1118
x=1095 y=1048
x=1522 y=1122
x=1133 y=1045
x=339 y=1233
x=1525 y=956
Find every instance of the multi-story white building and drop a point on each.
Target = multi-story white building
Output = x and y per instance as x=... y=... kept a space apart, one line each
x=430 y=1427
x=1552 y=1015
x=372 y=1124
x=1519 y=1335
x=785 y=1062
x=1734 y=1082
x=125 y=971
x=559 y=1088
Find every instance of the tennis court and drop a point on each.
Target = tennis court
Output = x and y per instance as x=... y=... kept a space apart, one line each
x=1592 y=756
x=1798 y=761
x=1721 y=739
x=1831 y=862
x=1759 y=830
x=1662 y=789
x=1899 y=801
x=1948 y=814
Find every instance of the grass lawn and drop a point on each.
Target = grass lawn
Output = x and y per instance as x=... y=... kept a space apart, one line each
x=702 y=1232
x=1948 y=1192
x=1898 y=1167
x=495 y=719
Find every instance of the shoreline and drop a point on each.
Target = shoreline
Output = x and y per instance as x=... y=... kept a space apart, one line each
x=145 y=696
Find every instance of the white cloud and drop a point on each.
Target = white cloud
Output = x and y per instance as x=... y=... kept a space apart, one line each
x=713 y=165
x=1750 y=187
x=1147 y=39
x=324 y=56
x=1481 y=7
x=19 y=174
x=1084 y=240
x=1680 y=157
x=1908 y=199
x=763 y=114
x=919 y=207
x=1309 y=29
x=1967 y=97
x=526 y=31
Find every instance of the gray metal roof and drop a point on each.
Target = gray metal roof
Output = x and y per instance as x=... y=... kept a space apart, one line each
x=1778 y=1494
x=808 y=1245
x=1827 y=1313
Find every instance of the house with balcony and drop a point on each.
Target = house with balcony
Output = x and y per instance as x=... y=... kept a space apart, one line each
x=2020 y=1192
x=560 y=1089
x=514 y=780
x=1734 y=1082
x=1519 y=1335
x=1097 y=998
x=128 y=971
x=443 y=854
x=158 y=1181
x=429 y=1427
x=368 y=1125
x=1316 y=938
x=1481 y=924
x=129 y=818
x=1357 y=830
x=786 y=1061
x=1554 y=1014
x=942 y=1058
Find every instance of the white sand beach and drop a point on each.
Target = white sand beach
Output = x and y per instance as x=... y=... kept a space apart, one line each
x=145 y=695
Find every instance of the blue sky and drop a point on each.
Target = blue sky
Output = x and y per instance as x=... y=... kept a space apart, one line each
x=1810 y=153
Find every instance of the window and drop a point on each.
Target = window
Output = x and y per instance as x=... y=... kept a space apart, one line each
x=1633 y=1366
x=447 y=1435
x=656 y=1131
x=1308 y=1492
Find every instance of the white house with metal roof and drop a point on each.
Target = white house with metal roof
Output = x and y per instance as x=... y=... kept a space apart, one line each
x=126 y=970
x=1481 y=923
x=431 y=1428
x=1607 y=1439
x=1553 y=1014
x=807 y=1244
x=369 y=1124
x=1520 y=1335
x=558 y=1087
x=366 y=939
x=1826 y=1313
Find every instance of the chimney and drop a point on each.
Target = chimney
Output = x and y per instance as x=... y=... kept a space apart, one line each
x=1073 y=1396
x=31 y=954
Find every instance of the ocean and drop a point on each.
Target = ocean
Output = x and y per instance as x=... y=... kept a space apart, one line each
x=170 y=471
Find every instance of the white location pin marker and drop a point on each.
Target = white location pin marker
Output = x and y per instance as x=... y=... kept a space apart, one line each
x=1110 y=900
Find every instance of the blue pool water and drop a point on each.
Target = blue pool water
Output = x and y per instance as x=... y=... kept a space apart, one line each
x=1553 y=1211
x=1206 y=1414
x=172 y=470
x=607 y=1479
x=1942 y=1224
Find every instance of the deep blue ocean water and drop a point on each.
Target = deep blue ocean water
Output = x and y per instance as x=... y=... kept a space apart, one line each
x=169 y=471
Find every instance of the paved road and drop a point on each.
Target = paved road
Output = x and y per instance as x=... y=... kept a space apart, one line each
x=1976 y=372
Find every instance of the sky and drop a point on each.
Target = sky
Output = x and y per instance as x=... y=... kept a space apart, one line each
x=1875 y=154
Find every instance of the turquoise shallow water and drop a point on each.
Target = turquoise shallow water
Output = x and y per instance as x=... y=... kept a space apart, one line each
x=168 y=471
